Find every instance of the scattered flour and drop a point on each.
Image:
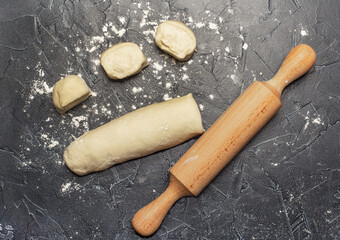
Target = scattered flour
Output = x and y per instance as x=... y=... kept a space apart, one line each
x=53 y=144
x=199 y=24
x=110 y=26
x=48 y=141
x=306 y=124
x=201 y=107
x=39 y=87
x=119 y=32
x=304 y=32
x=92 y=49
x=69 y=187
x=80 y=119
x=234 y=78
x=137 y=89
x=122 y=20
x=185 y=77
x=41 y=73
x=168 y=85
x=317 y=121
x=166 y=97
x=157 y=66
x=211 y=96
x=99 y=39
x=214 y=26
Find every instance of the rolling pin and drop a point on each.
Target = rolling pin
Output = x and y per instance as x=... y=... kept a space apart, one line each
x=224 y=139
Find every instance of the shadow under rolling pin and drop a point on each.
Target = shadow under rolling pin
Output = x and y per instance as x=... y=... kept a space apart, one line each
x=224 y=139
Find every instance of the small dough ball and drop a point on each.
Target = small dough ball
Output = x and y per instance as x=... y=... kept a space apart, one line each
x=123 y=60
x=176 y=38
x=68 y=92
x=136 y=134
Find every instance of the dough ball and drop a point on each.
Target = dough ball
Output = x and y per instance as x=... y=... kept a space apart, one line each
x=176 y=38
x=68 y=92
x=139 y=133
x=123 y=60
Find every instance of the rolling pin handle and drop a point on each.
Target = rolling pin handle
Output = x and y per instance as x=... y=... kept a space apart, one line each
x=148 y=219
x=297 y=63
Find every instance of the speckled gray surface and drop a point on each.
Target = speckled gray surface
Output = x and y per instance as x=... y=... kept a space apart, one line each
x=284 y=185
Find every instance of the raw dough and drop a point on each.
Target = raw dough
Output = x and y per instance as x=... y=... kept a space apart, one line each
x=123 y=60
x=68 y=92
x=136 y=134
x=176 y=38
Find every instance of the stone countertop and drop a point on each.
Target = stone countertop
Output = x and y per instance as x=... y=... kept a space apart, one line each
x=285 y=184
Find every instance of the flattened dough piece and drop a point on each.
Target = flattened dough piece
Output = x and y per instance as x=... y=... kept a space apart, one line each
x=176 y=38
x=68 y=92
x=139 y=133
x=123 y=60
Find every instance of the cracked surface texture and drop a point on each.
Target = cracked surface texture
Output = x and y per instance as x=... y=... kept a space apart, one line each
x=285 y=184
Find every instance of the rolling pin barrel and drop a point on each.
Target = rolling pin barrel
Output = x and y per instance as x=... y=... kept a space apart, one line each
x=224 y=139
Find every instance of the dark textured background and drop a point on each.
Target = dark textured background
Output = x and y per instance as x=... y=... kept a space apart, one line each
x=284 y=185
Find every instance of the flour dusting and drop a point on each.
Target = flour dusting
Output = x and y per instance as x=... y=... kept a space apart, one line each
x=69 y=187
x=304 y=32
x=185 y=77
x=199 y=24
x=137 y=90
x=157 y=66
x=99 y=39
x=166 y=97
x=48 y=141
x=76 y=121
x=201 y=107
x=122 y=19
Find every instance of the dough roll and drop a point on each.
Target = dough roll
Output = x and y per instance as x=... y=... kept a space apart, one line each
x=139 y=133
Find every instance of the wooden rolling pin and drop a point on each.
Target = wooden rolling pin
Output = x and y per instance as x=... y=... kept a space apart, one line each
x=224 y=139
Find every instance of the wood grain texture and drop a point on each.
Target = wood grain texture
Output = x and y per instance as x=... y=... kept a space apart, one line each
x=224 y=139
x=147 y=220
x=297 y=63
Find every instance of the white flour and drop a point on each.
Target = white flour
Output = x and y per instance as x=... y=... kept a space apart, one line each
x=48 y=141
x=39 y=87
x=304 y=32
x=201 y=107
x=76 y=121
x=185 y=77
x=157 y=66
x=69 y=187
x=137 y=90
x=199 y=25
x=166 y=97
x=122 y=19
